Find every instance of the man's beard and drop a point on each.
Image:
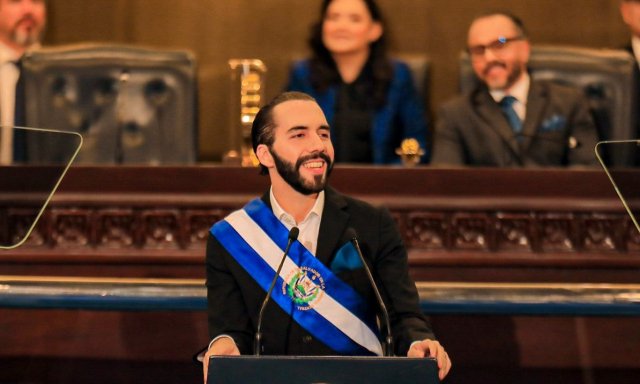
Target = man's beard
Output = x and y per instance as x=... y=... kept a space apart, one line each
x=291 y=173
x=26 y=37
x=512 y=76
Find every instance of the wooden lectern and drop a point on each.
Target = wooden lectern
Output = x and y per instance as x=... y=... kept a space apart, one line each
x=321 y=370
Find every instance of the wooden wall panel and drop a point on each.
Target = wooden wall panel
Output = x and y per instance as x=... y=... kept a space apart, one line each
x=276 y=31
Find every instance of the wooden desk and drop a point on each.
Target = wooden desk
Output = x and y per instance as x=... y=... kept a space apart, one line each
x=458 y=225
x=470 y=226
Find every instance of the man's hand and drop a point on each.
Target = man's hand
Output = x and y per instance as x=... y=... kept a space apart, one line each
x=223 y=346
x=431 y=348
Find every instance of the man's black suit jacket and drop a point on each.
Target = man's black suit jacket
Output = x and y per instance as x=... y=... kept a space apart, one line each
x=234 y=298
x=473 y=131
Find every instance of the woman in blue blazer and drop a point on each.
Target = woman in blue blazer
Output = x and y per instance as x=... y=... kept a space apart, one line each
x=369 y=100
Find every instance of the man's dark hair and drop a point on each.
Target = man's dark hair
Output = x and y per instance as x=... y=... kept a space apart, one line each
x=262 y=129
x=517 y=21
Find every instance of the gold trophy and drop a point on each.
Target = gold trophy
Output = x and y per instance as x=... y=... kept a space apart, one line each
x=247 y=90
x=410 y=152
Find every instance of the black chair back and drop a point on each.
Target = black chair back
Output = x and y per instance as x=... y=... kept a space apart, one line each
x=132 y=105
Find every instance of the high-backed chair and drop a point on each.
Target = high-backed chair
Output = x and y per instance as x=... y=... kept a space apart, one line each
x=131 y=104
x=606 y=76
x=420 y=67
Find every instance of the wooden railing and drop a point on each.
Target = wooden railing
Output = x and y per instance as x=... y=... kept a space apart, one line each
x=559 y=299
x=464 y=224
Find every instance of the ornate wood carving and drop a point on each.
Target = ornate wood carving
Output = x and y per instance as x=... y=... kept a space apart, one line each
x=153 y=227
x=427 y=230
x=515 y=232
x=19 y=221
x=117 y=228
x=71 y=228
x=167 y=212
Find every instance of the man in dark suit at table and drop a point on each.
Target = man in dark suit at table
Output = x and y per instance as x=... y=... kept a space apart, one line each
x=510 y=119
x=22 y=24
x=323 y=303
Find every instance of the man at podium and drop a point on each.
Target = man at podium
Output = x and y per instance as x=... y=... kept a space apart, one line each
x=323 y=301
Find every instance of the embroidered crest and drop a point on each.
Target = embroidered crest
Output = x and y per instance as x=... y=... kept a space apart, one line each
x=305 y=287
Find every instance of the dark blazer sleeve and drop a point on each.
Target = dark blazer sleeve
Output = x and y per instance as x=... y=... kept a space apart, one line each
x=398 y=289
x=584 y=130
x=227 y=312
x=385 y=254
x=448 y=142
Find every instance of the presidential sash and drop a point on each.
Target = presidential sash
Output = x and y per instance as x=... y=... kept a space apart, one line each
x=309 y=291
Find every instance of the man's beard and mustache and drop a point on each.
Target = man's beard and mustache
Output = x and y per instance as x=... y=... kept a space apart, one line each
x=26 y=37
x=512 y=76
x=291 y=173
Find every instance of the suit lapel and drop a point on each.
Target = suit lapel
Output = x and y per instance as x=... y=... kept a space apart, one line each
x=537 y=101
x=489 y=111
x=332 y=226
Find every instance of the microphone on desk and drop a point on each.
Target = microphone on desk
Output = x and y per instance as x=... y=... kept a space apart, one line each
x=257 y=342
x=388 y=347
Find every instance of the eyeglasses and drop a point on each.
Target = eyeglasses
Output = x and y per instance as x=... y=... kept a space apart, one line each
x=496 y=47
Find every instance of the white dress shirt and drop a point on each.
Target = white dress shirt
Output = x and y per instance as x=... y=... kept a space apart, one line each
x=309 y=227
x=635 y=46
x=9 y=75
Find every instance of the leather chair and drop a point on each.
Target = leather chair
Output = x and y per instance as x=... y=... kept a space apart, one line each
x=608 y=78
x=420 y=67
x=132 y=105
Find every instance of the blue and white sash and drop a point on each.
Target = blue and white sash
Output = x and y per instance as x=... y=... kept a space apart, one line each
x=316 y=298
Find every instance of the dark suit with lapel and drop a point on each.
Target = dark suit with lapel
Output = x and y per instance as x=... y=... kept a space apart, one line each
x=629 y=48
x=234 y=298
x=472 y=130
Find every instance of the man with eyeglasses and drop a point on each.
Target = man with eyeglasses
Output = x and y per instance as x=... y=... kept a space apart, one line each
x=510 y=119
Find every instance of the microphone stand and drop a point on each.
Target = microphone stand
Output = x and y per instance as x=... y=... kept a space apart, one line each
x=257 y=342
x=388 y=347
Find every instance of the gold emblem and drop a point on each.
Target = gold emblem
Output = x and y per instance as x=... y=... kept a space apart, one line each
x=410 y=152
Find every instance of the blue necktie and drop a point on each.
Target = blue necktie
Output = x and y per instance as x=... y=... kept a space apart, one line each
x=512 y=117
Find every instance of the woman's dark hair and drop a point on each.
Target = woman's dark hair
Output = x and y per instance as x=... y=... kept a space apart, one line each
x=324 y=71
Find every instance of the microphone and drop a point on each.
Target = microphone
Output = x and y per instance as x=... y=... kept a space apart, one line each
x=388 y=347
x=257 y=342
